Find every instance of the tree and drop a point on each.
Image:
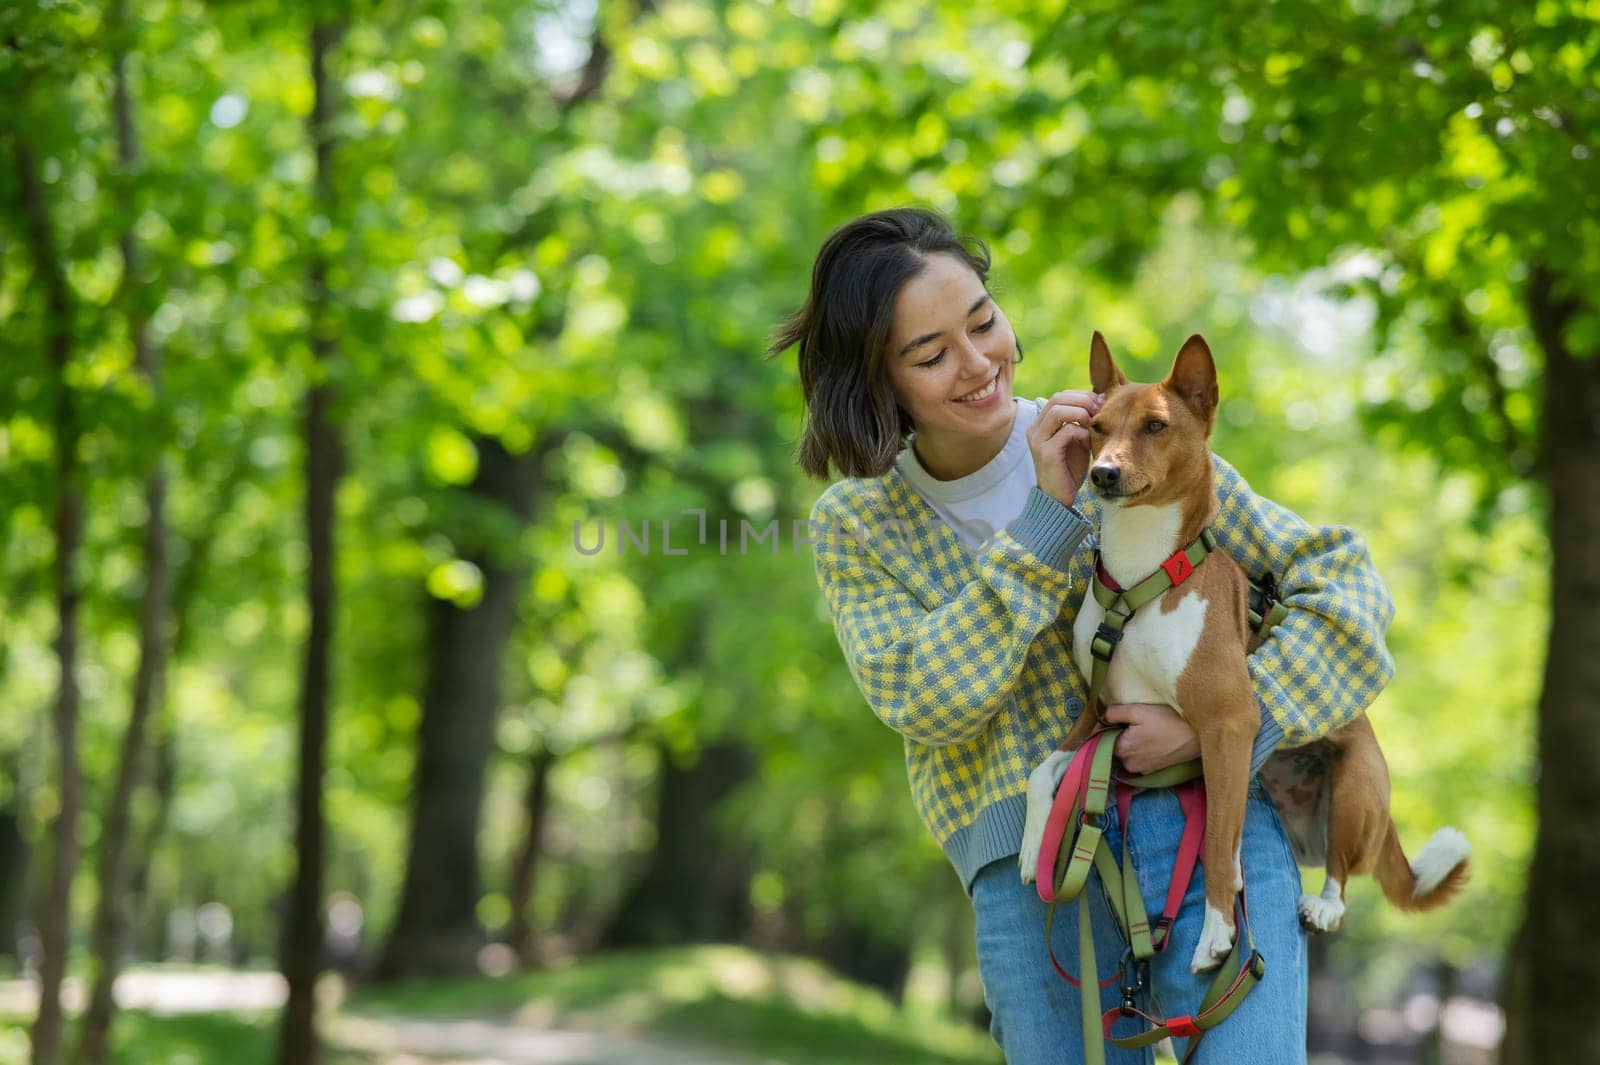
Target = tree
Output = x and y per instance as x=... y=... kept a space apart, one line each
x=112 y=872
x=303 y=943
x=525 y=867
x=68 y=527
x=437 y=931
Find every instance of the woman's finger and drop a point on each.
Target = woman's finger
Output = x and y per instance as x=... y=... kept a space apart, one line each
x=1124 y=749
x=1072 y=435
x=1078 y=397
x=1052 y=420
x=1082 y=408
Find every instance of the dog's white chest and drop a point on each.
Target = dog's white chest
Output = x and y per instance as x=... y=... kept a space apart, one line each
x=1155 y=648
x=1156 y=645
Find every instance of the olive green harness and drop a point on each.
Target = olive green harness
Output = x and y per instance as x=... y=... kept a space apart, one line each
x=1075 y=843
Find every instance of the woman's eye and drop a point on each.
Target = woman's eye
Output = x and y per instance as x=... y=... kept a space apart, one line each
x=933 y=361
x=1153 y=426
x=986 y=326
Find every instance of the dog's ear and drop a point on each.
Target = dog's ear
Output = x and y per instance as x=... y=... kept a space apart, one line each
x=1103 y=372
x=1193 y=377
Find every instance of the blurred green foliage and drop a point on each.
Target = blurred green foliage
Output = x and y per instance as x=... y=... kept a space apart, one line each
x=534 y=244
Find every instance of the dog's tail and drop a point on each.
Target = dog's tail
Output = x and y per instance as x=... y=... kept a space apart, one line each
x=1433 y=879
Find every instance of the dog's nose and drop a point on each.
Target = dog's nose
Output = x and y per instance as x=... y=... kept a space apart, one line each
x=1105 y=476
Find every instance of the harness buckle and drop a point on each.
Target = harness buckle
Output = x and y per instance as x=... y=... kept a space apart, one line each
x=1263 y=597
x=1111 y=636
x=1133 y=974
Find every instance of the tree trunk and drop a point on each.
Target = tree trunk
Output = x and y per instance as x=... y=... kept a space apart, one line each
x=302 y=952
x=13 y=865
x=696 y=885
x=110 y=917
x=856 y=951
x=536 y=802
x=436 y=932
x=68 y=524
x=147 y=913
x=957 y=942
x=185 y=588
x=1554 y=971
x=1435 y=1046
x=1332 y=1013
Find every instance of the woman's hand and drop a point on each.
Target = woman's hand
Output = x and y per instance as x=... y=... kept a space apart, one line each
x=1059 y=440
x=1156 y=736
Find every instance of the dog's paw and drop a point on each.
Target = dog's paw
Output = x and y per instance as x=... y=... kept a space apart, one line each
x=1216 y=940
x=1032 y=840
x=1029 y=860
x=1321 y=914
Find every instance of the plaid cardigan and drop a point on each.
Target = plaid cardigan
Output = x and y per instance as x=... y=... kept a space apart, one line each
x=969 y=657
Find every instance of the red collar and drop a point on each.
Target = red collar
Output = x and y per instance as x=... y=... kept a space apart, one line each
x=1177 y=565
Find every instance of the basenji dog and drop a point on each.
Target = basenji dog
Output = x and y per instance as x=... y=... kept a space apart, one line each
x=1151 y=467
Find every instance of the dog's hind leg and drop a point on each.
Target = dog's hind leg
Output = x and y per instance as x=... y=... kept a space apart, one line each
x=1358 y=812
x=1324 y=912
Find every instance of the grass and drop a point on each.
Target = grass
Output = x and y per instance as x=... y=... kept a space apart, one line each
x=147 y=1039
x=775 y=1008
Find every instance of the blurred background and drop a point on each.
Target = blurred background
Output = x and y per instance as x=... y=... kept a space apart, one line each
x=382 y=381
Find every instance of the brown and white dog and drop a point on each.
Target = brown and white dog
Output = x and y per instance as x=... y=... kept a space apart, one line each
x=1152 y=469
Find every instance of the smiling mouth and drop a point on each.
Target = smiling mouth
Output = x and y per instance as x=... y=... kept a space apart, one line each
x=981 y=393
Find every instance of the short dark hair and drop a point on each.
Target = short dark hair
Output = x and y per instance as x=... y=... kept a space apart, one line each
x=852 y=419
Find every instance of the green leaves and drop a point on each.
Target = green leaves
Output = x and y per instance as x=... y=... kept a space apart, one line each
x=583 y=262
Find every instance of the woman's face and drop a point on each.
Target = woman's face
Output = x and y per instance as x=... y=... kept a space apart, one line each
x=951 y=353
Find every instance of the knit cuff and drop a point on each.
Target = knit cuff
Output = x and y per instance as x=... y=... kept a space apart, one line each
x=1267 y=741
x=1048 y=529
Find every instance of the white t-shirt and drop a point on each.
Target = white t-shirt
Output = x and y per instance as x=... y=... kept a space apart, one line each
x=988 y=499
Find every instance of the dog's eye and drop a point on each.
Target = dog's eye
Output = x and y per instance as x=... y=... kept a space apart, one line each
x=1095 y=427
x=1154 y=426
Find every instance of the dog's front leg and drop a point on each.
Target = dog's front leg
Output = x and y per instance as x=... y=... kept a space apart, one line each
x=1225 y=736
x=1042 y=785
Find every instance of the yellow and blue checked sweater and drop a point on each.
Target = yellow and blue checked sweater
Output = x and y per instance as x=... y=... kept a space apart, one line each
x=969 y=657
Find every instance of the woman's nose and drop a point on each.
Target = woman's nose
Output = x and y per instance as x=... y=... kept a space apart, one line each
x=973 y=361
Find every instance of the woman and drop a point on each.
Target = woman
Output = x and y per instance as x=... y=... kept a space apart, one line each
x=952 y=558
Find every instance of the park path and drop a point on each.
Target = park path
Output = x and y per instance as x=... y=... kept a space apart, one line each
x=482 y=1041
x=385 y=1039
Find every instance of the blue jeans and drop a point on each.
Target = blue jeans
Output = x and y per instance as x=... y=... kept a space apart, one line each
x=1036 y=1013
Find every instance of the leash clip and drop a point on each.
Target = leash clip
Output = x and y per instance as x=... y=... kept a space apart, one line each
x=1264 y=595
x=1132 y=975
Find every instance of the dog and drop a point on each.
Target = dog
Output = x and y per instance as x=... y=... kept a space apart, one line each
x=1151 y=466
